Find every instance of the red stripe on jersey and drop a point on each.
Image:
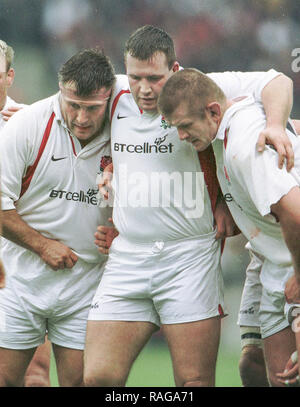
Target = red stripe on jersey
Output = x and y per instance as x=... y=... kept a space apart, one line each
x=225 y=138
x=208 y=166
x=73 y=145
x=115 y=102
x=226 y=174
x=31 y=169
x=223 y=245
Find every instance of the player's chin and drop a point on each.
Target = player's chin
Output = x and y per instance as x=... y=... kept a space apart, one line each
x=199 y=145
x=84 y=133
x=149 y=105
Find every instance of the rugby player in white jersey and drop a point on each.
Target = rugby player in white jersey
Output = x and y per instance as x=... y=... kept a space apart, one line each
x=164 y=266
x=264 y=200
x=37 y=374
x=51 y=153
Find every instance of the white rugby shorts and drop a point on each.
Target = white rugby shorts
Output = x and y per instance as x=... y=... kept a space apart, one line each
x=161 y=282
x=56 y=302
x=251 y=296
x=264 y=294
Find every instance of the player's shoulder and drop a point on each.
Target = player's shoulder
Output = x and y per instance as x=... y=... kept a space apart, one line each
x=121 y=85
x=243 y=127
x=12 y=103
x=32 y=117
x=39 y=109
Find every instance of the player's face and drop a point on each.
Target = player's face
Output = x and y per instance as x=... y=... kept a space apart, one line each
x=84 y=117
x=6 y=79
x=147 y=78
x=192 y=128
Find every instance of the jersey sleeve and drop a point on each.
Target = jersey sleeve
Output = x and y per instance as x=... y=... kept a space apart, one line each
x=236 y=84
x=121 y=85
x=16 y=151
x=258 y=173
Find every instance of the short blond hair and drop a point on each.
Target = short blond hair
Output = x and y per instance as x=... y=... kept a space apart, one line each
x=191 y=86
x=8 y=54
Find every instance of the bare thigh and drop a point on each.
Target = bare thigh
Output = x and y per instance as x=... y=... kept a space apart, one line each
x=37 y=374
x=194 y=348
x=13 y=365
x=69 y=365
x=111 y=348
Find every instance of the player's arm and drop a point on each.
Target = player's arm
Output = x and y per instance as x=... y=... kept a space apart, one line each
x=287 y=210
x=2 y=271
x=104 y=237
x=275 y=91
x=277 y=99
x=52 y=252
x=105 y=234
x=17 y=152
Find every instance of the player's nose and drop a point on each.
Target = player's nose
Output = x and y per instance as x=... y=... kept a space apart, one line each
x=145 y=87
x=82 y=116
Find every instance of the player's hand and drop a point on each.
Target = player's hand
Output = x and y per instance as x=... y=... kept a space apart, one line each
x=292 y=291
x=104 y=237
x=224 y=222
x=57 y=255
x=2 y=275
x=8 y=113
x=290 y=375
x=105 y=182
x=277 y=137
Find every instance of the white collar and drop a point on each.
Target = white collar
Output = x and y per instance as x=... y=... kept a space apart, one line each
x=229 y=113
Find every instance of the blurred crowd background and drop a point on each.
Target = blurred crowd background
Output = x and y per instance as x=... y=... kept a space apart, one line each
x=211 y=35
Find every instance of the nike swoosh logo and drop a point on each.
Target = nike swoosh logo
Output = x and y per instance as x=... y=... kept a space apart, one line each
x=57 y=159
x=121 y=117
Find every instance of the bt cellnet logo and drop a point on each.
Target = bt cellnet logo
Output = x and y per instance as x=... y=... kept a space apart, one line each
x=158 y=190
x=145 y=148
x=90 y=197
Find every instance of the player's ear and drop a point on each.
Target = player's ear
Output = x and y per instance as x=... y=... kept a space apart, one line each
x=175 y=66
x=10 y=77
x=214 y=110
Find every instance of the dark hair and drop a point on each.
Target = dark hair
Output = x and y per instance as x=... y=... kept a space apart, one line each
x=90 y=70
x=191 y=86
x=147 y=40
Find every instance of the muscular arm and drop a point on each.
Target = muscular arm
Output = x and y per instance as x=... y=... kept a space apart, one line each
x=2 y=271
x=277 y=99
x=288 y=212
x=54 y=253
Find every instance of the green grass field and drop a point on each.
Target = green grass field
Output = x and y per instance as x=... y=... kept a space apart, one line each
x=153 y=368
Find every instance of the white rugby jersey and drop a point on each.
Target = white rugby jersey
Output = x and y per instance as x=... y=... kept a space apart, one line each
x=56 y=195
x=160 y=193
x=9 y=103
x=251 y=182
